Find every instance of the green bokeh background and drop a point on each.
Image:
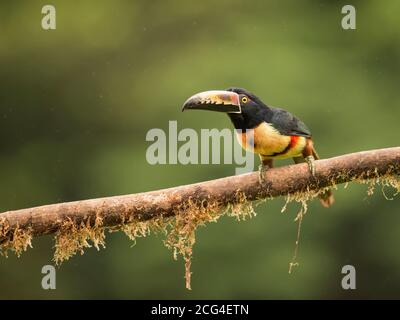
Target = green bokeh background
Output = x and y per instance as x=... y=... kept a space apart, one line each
x=76 y=104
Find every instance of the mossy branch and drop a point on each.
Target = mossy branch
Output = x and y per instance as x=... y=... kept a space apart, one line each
x=74 y=223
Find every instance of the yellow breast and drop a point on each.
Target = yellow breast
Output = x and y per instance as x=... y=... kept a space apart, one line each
x=268 y=142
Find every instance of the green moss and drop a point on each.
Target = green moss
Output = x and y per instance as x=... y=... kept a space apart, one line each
x=16 y=240
x=72 y=238
x=179 y=229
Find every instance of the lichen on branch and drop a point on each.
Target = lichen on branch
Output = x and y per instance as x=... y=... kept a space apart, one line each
x=178 y=212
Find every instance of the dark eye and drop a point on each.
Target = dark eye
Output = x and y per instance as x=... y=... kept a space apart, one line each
x=245 y=99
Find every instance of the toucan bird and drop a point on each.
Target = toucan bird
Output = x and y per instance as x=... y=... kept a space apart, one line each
x=272 y=133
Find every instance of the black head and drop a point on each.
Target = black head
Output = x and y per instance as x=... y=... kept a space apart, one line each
x=254 y=111
x=247 y=99
x=244 y=108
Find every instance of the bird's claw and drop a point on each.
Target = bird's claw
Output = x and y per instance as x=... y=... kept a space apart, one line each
x=261 y=172
x=311 y=164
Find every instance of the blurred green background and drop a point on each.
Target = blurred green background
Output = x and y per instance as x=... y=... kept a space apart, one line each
x=76 y=104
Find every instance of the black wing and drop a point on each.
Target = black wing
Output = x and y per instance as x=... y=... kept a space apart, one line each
x=288 y=124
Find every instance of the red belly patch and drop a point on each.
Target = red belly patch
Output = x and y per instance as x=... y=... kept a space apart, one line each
x=293 y=141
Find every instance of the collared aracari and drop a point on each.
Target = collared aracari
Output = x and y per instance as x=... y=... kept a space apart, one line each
x=272 y=133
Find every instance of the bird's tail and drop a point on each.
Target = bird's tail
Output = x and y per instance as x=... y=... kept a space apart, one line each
x=326 y=198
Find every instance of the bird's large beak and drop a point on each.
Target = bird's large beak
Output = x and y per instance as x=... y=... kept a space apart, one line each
x=215 y=100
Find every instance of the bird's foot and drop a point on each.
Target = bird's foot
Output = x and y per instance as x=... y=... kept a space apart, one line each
x=261 y=173
x=311 y=164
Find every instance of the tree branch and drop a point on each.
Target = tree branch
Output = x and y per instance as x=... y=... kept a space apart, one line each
x=281 y=181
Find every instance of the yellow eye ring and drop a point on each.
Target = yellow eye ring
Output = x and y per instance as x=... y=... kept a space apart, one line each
x=245 y=99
